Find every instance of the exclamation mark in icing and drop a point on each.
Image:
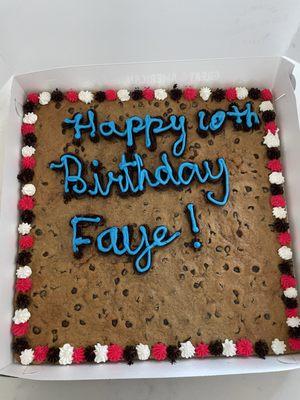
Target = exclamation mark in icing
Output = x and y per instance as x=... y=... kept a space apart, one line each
x=194 y=226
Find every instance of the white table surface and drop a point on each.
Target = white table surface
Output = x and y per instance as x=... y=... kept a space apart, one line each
x=276 y=386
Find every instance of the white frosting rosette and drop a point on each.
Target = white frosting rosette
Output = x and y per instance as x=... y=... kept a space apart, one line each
x=101 y=353
x=279 y=212
x=21 y=315
x=28 y=151
x=285 y=253
x=143 y=351
x=276 y=177
x=205 y=93
x=187 y=349
x=44 y=98
x=66 y=354
x=293 y=322
x=28 y=189
x=278 y=346
x=23 y=272
x=229 y=348
x=26 y=356
x=241 y=93
x=24 y=228
x=123 y=95
x=30 y=118
x=271 y=140
x=160 y=94
x=86 y=96
x=290 y=293
x=266 y=106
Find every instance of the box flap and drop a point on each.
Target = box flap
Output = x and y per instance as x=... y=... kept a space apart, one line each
x=104 y=32
x=212 y=72
x=293 y=51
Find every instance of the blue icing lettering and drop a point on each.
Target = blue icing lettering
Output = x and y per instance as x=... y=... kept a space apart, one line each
x=118 y=240
x=80 y=127
x=223 y=173
x=82 y=240
x=75 y=179
x=124 y=180
x=194 y=225
x=150 y=126
x=215 y=121
x=251 y=118
x=160 y=238
x=201 y=115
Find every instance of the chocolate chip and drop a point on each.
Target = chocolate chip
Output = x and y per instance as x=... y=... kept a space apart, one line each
x=82 y=322
x=197 y=285
x=226 y=267
x=92 y=267
x=239 y=233
x=36 y=330
x=74 y=290
x=166 y=322
x=54 y=336
x=236 y=141
x=128 y=324
x=43 y=293
x=124 y=272
x=236 y=269
x=267 y=316
x=182 y=106
x=38 y=232
x=77 y=307
x=208 y=315
x=45 y=254
x=255 y=268
x=95 y=296
x=117 y=280
x=248 y=189
x=227 y=249
x=114 y=322
x=149 y=319
x=65 y=323
x=125 y=292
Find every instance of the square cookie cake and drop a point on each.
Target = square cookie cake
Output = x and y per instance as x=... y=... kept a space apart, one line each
x=153 y=225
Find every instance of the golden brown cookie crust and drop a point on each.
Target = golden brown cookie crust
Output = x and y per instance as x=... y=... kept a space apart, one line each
x=229 y=289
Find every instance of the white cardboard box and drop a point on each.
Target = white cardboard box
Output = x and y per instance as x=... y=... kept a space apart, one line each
x=274 y=72
x=254 y=29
